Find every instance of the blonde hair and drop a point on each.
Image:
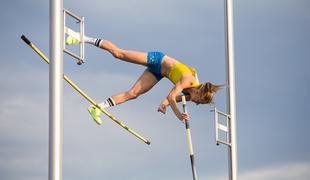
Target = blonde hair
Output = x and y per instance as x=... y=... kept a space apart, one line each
x=207 y=92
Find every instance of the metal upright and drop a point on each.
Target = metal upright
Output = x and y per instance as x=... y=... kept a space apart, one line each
x=230 y=78
x=55 y=90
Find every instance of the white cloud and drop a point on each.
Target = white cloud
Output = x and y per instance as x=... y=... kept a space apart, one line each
x=93 y=152
x=291 y=171
x=24 y=119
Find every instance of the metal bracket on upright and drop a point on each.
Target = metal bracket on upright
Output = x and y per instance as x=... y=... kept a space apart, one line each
x=221 y=128
x=77 y=35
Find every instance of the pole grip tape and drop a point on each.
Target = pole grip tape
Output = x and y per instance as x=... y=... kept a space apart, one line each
x=27 y=41
x=183 y=99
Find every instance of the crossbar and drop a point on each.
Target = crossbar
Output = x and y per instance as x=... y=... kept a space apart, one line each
x=82 y=93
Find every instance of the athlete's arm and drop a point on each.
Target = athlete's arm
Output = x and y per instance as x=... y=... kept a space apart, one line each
x=165 y=103
x=184 y=83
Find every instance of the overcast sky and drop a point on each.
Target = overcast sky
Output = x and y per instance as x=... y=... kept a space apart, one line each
x=272 y=83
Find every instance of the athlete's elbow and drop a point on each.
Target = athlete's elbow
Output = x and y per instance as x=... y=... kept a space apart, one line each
x=171 y=98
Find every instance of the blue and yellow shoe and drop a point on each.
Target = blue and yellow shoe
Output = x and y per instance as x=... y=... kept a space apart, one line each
x=95 y=114
x=71 y=40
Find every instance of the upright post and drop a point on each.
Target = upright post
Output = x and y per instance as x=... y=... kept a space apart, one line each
x=231 y=99
x=56 y=90
x=189 y=141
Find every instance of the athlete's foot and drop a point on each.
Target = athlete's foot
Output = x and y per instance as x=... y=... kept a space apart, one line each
x=95 y=114
x=71 y=40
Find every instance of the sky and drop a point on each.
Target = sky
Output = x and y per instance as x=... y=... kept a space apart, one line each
x=272 y=84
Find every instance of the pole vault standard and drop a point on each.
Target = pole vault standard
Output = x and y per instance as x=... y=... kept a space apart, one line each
x=225 y=132
x=56 y=90
x=73 y=85
x=231 y=88
x=189 y=141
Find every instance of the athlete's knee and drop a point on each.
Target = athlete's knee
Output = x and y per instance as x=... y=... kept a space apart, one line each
x=117 y=53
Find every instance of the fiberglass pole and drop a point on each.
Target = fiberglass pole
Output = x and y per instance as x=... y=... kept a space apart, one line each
x=55 y=90
x=231 y=99
x=189 y=141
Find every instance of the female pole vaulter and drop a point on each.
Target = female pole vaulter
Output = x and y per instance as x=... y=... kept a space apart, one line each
x=158 y=65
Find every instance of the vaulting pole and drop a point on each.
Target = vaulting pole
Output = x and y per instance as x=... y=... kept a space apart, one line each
x=189 y=141
x=231 y=88
x=55 y=90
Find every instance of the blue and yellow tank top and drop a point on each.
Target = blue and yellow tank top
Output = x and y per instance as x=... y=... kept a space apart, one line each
x=178 y=70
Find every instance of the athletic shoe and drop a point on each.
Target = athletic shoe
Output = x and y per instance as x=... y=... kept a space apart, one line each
x=95 y=114
x=71 y=40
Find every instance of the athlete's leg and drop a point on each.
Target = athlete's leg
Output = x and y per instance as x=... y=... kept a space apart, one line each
x=145 y=82
x=125 y=55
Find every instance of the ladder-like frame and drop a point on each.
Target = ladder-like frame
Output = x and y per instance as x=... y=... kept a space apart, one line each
x=219 y=127
x=77 y=35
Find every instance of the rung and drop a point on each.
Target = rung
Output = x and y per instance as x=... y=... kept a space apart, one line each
x=73 y=55
x=222 y=127
x=223 y=142
x=222 y=113
x=73 y=15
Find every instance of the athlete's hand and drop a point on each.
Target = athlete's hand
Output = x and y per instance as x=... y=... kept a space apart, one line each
x=162 y=109
x=183 y=117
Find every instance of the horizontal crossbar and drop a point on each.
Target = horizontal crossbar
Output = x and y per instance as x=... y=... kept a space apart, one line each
x=83 y=94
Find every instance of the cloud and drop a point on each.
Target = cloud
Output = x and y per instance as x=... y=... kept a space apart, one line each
x=142 y=12
x=24 y=128
x=300 y=171
x=194 y=32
